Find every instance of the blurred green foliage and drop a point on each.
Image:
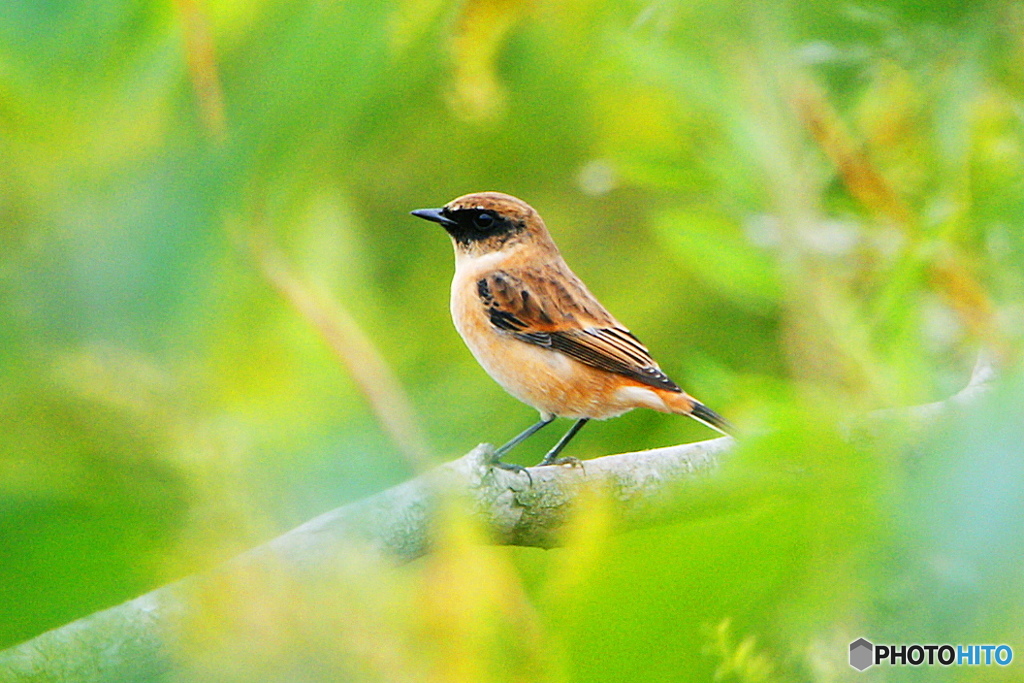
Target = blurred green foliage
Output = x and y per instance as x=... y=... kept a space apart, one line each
x=806 y=210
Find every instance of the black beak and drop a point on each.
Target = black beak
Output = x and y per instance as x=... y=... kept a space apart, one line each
x=435 y=215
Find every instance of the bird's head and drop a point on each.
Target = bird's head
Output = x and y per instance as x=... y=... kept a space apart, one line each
x=485 y=222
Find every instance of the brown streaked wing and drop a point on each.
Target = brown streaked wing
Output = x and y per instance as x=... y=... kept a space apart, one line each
x=560 y=314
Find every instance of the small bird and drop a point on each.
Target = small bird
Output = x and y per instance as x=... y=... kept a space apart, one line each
x=539 y=332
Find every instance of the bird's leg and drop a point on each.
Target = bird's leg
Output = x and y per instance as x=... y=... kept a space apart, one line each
x=523 y=436
x=552 y=457
x=526 y=434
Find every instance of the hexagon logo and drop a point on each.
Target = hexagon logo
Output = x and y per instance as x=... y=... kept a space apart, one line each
x=861 y=654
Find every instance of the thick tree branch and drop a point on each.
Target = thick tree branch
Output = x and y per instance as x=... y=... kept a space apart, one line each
x=130 y=641
x=134 y=641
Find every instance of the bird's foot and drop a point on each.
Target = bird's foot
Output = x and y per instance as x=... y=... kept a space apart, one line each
x=570 y=461
x=509 y=467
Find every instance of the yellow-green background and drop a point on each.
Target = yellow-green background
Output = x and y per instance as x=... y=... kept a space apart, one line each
x=163 y=406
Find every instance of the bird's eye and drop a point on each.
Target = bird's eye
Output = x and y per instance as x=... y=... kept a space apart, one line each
x=483 y=220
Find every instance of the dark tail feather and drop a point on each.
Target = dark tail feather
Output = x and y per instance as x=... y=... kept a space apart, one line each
x=705 y=415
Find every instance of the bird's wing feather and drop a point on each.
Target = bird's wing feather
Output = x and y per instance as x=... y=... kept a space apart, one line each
x=560 y=314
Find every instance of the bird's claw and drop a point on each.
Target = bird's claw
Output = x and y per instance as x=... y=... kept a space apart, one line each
x=570 y=461
x=509 y=467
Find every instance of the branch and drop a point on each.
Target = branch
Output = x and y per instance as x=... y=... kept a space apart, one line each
x=133 y=641
x=130 y=641
x=876 y=423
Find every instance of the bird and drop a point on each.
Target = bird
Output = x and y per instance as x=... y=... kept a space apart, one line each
x=539 y=332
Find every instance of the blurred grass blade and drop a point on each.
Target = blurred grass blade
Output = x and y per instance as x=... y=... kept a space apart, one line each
x=867 y=184
x=972 y=303
x=202 y=66
x=353 y=348
x=861 y=177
